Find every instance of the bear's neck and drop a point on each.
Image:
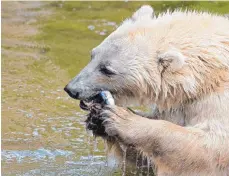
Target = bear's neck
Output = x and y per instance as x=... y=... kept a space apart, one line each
x=197 y=111
x=173 y=97
x=208 y=108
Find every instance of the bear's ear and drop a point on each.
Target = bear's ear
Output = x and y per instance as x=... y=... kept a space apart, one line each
x=144 y=11
x=173 y=60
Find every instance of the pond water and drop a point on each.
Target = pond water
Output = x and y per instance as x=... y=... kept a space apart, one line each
x=45 y=44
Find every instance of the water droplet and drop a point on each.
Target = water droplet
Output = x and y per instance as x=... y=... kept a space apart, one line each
x=35 y=133
x=102 y=33
x=91 y=27
x=29 y=115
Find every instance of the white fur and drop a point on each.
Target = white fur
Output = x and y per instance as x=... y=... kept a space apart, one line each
x=190 y=89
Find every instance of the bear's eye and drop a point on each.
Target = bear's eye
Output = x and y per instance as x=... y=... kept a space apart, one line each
x=106 y=71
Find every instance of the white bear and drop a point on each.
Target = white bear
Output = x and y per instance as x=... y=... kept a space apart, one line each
x=178 y=62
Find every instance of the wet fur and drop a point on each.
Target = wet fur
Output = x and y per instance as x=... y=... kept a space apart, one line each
x=192 y=135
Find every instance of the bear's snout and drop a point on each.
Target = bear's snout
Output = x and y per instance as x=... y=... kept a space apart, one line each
x=71 y=92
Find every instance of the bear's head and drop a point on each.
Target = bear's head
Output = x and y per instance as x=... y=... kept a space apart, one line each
x=138 y=66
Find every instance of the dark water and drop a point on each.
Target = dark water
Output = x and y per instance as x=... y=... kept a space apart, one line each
x=45 y=44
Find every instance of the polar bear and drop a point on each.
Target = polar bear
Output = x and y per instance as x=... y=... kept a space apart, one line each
x=179 y=63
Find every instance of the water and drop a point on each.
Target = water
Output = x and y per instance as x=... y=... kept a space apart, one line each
x=148 y=166
x=44 y=45
x=124 y=150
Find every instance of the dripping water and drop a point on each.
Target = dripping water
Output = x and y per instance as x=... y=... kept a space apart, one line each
x=136 y=164
x=105 y=146
x=142 y=165
x=124 y=150
x=148 y=166
x=137 y=155
x=89 y=144
x=95 y=142
x=94 y=148
x=106 y=151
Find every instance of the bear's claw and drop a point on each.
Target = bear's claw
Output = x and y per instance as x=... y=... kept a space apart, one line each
x=94 y=121
x=105 y=121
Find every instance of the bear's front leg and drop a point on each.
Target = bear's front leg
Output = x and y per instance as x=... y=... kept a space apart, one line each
x=126 y=126
x=175 y=150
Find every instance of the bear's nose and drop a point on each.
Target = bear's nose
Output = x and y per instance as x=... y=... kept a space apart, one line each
x=71 y=92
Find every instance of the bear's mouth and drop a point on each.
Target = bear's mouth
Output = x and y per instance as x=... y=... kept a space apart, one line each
x=97 y=98
x=87 y=103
